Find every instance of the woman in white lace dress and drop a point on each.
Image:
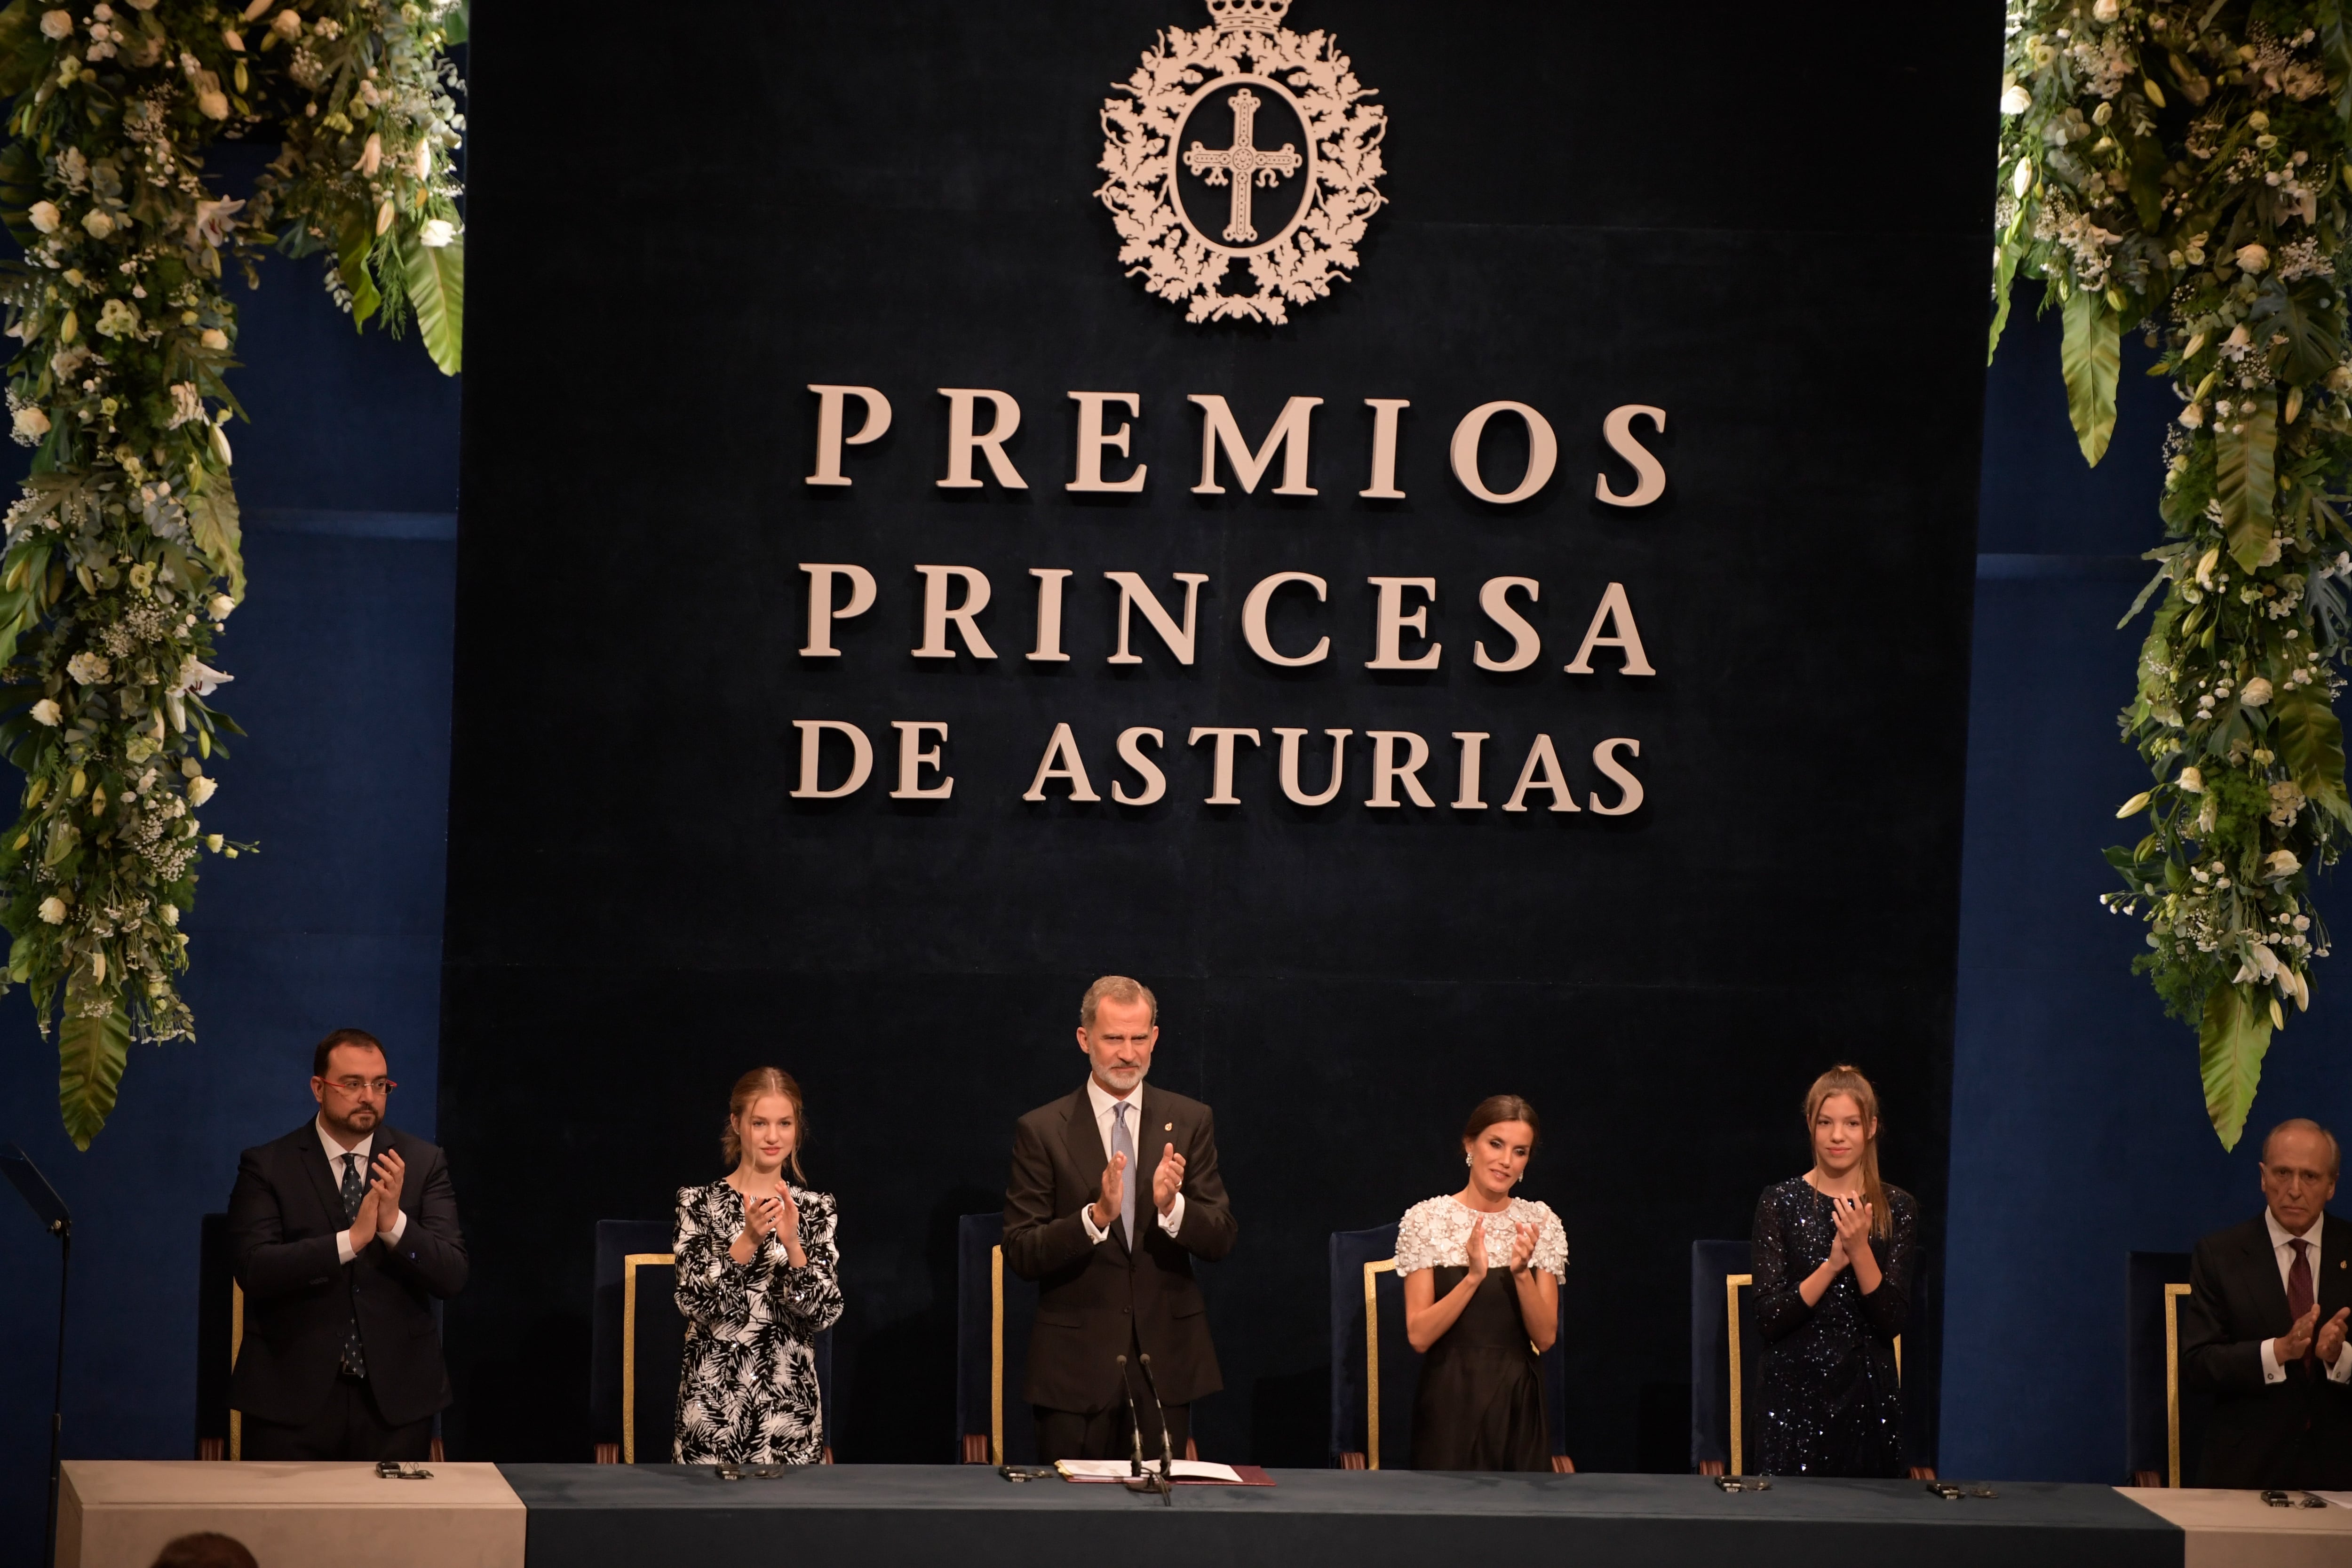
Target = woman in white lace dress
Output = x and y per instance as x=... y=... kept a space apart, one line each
x=758 y=1279
x=1481 y=1272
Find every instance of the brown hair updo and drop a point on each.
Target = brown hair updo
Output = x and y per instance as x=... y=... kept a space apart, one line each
x=749 y=1089
x=1503 y=1108
x=1844 y=1079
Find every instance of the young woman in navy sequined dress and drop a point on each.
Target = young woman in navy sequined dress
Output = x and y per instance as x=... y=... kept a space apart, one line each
x=1833 y=1251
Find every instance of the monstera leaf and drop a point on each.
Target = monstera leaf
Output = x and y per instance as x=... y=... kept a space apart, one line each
x=2245 y=457
x=2230 y=1042
x=436 y=291
x=90 y=1056
x=2310 y=741
x=2090 y=357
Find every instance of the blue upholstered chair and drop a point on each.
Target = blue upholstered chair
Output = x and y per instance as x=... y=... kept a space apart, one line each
x=637 y=1339
x=1727 y=1357
x=220 y=1332
x=994 y=1309
x=1375 y=1371
x=2162 y=1421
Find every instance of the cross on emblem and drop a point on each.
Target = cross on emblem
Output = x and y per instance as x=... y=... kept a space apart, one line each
x=1244 y=164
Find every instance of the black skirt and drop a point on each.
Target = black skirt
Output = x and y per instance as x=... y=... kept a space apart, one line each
x=1480 y=1403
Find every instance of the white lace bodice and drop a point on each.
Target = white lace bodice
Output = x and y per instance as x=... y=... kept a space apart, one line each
x=1435 y=1234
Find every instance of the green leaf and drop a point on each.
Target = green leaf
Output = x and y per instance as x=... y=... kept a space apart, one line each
x=2230 y=1042
x=212 y=524
x=2314 y=333
x=2090 y=357
x=351 y=260
x=437 y=292
x=2245 y=473
x=90 y=1056
x=459 y=24
x=2310 y=741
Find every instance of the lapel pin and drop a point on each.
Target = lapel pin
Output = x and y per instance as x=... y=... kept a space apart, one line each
x=1170 y=1127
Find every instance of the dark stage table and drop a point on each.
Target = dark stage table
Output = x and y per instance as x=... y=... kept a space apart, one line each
x=591 y=1516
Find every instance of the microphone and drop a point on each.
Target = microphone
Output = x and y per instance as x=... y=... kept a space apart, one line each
x=1167 y=1448
x=1134 y=1423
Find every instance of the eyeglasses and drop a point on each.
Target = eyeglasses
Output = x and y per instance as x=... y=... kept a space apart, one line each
x=359 y=1086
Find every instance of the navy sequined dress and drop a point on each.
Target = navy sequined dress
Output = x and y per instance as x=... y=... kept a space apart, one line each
x=1832 y=1401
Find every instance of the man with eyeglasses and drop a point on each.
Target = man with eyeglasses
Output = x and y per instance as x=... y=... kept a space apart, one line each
x=344 y=1231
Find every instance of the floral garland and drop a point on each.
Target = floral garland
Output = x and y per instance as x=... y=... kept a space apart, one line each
x=2183 y=166
x=121 y=557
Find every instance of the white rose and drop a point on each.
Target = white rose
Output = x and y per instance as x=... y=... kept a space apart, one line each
x=53 y=910
x=214 y=338
x=212 y=842
x=201 y=791
x=2279 y=865
x=47 y=711
x=97 y=223
x=2193 y=416
x=56 y=23
x=2016 y=101
x=169 y=914
x=44 y=216
x=31 y=425
x=2192 y=780
x=88 y=667
x=2256 y=692
x=220 y=606
x=435 y=233
x=2105 y=11
x=2252 y=258
x=213 y=104
x=287 y=23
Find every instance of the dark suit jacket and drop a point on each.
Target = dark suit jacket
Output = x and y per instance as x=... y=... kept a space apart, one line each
x=299 y=1299
x=1091 y=1297
x=2292 y=1434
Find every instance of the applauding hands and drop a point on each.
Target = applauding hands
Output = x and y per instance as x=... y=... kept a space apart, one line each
x=2309 y=1336
x=1169 y=1179
x=1853 y=1217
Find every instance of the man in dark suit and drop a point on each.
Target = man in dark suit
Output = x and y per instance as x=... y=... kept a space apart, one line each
x=1114 y=1191
x=2265 y=1327
x=343 y=1230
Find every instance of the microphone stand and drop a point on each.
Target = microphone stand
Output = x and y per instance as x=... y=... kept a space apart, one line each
x=1167 y=1446
x=1138 y=1481
x=51 y=1210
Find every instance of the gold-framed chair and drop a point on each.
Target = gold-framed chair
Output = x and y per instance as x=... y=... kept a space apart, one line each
x=2162 y=1419
x=638 y=1336
x=1358 y=1283
x=992 y=1342
x=220 y=1336
x=1737 y=1331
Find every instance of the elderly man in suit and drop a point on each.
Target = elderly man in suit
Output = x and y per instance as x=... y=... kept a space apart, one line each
x=2265 y=1327
x=1114 y=1191
x=344 y=1231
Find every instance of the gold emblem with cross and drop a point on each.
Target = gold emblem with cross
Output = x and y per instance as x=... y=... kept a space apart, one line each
x=1245 y=166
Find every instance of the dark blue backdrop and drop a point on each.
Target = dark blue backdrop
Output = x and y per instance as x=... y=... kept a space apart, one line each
x=2077 y=1131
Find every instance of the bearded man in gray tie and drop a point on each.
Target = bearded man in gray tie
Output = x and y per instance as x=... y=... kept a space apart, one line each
x=343 y=1232
x=1114 y=1191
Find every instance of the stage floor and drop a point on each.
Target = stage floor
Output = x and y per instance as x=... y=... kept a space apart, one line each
x=585 y=1516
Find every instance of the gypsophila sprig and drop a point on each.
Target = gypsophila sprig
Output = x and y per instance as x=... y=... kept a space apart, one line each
x=120 y=561
x=2181 y=168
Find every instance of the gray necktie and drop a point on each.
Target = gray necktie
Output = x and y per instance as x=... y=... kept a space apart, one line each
x=354 y=1190
x=1123 y=1142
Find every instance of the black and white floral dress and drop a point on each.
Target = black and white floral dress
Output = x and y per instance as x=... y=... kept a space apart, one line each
x=747 y=1390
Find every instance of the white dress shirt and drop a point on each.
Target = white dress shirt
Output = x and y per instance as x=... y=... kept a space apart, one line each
x=1145 y=1162
x=2280 y=1237
x=344 y=1249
